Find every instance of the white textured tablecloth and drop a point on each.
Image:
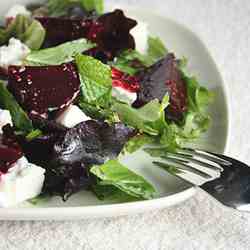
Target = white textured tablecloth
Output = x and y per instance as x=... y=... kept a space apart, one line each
x=199 y=223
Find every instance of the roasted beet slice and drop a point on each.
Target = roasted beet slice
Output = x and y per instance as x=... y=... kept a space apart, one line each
x=8 y=156
x=67 y=154
x=115 y=36
x=110 y=31
x=60 y=30
x=43 y=89
x=162 y=77
x=10 y=151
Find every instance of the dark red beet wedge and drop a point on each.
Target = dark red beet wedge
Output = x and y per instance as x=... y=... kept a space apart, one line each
x=125 y=81
x=60 y=30
x=110 y=31
x=42 y=89
x=8 y=156
x=115 y=36
x=161 y=78
x=10 y=151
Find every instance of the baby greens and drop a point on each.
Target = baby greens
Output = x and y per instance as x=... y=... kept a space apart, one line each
x=114 y=174
x=28 y=30
x=59 y=8
x=60 y=54
x=20 y=119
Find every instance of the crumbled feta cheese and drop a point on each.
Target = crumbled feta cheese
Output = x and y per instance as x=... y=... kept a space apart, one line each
x=72 y=116
x=124 y=95
x=23 y=181
x=16 y=10
x=5 y=118
x=13 y=54
x=140 y=34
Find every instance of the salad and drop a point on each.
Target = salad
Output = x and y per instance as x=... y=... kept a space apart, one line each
x=79 y=88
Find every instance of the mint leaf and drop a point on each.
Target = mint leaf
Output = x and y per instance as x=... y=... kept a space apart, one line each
x=28 y=30
x=60 y=54
x=20 y=119
x=112 y=173
x=96 y=80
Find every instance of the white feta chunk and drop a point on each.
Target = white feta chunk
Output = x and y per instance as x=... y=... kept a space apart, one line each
x=72 y=116
x=124 y=95
x=16 y=10
x=5 y=118
x=140 y=33
x=13 y=54
x=22 y=182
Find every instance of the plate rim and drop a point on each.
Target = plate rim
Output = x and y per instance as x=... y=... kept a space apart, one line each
x=113 y=210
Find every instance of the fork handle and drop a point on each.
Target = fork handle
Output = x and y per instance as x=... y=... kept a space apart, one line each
x=233 y=187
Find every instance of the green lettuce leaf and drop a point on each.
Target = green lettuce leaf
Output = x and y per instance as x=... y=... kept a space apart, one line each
x=197 y=120
x=59 y=8
x=97 y=112
x=28 y=30
x=112 y=173
x=90 y=5
x=112 y=193
x=20 y=119
x=156 y=49
x=60 y=54
x=131 y=61
x=96 y=80
x=149 y=119
x=126 y=62
x=137 y=142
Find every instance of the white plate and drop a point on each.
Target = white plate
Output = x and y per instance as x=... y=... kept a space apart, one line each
x=171 y=190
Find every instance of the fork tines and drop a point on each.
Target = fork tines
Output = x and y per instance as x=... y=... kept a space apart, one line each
x=184 y=162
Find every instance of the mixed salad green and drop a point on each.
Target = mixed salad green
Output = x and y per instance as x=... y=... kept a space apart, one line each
x=78 y=56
